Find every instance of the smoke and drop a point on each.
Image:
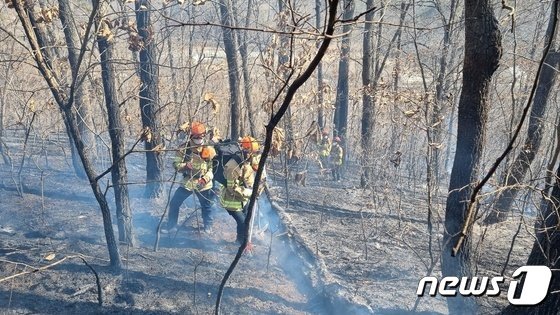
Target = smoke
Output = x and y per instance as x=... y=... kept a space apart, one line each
x=288 y=254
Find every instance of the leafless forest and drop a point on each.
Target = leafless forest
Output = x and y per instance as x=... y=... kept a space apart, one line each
x=446 y=112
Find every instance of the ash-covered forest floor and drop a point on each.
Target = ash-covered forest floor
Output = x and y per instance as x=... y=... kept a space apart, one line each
x=374 y=245
x=332 y=248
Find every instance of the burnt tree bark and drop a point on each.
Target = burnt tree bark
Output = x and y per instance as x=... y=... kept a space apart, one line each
x=522 y=162
x=149 y=99
x=368 y=105
x=482 y=55
x=116 y=132
x=233 y=70
x=65 y=104
x=342 y=89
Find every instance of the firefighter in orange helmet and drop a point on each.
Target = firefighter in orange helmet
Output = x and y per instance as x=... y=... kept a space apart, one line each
x=194 y=161
x=240 y=178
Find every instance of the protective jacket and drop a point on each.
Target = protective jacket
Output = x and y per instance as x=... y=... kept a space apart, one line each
x=238 y=189
x=337 y=154
x=200 y=168
x=325 y=147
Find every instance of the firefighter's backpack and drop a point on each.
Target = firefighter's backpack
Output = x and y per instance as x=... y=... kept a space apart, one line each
x=226 y=150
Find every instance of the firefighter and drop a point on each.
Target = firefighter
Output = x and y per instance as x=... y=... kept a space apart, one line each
x=324 y=149
x=239 y=187
x=194 y=160
x=336 y=157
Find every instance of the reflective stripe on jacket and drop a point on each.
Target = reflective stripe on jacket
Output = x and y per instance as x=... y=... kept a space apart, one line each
x=240 y=179
x=200 y=168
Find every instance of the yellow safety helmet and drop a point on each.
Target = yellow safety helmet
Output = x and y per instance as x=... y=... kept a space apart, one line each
x=249 y=144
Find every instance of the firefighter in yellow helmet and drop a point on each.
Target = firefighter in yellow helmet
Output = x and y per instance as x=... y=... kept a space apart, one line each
x=240 y=178
x=194 y=161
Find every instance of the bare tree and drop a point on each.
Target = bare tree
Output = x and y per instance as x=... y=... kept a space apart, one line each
x=522 y=162
x=341 y=110
x=285 y=69
x=244 y=54
x=483 y=51
x=546 y=251
x=73 y=44
x=233 y=70
x=149 y=99
x=116 y=131
x=65 y=102
x=320 y=87
x=368 y=109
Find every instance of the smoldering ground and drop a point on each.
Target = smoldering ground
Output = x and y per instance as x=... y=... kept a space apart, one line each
x=311 y=262
x=57 y=215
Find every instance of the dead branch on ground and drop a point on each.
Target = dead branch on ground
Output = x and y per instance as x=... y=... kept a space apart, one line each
x=58 y=262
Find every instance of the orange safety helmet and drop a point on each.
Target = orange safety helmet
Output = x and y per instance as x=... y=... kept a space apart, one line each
x=198 y=129
x=249 y=144
x=208 y=153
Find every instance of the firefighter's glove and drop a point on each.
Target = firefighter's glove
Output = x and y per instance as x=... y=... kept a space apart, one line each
x=186 y=167
x=247 y=192
x=201 y=183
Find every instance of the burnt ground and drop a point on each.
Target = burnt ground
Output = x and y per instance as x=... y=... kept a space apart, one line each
x=330 y=248
x=373 y=244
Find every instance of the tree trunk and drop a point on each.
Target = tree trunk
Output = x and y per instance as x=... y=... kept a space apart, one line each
x=233 y=70
x=342 y=89
x=368 y=109
x=396 y=77
x=515 y=175
x=149 y=98
x=285 y=68
x=73 y=43
x=482 y=55
x=441 y=92
x=72 y=126
x=546 y=251
x=320 y=91
x=243 y=53
x=174 y=82
x=39 y=31
x=116 y=132
x=49 y=35
x=67 y=110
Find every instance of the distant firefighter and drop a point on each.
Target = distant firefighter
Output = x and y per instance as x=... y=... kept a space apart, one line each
x=324 y=149
x=336 y=158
